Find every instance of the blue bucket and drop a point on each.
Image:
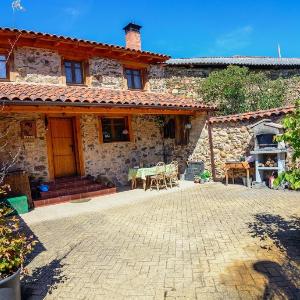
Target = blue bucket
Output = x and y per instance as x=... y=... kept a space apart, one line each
x=43 y=188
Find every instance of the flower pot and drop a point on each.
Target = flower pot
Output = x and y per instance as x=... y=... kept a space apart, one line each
x=10 y=288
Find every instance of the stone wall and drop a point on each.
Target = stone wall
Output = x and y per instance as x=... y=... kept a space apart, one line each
x=156 y=78
x=33 y=152
x=111 y=159
x=37 y=65
x=231 y=140
x=106 y=73
x=114 y=159
x=185 y=80
x=45 y=67
x=196 y=149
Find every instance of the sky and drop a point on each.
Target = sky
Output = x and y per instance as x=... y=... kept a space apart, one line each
x=187 y=28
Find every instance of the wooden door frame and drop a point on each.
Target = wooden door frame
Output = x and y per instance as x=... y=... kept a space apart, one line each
x=77 y=141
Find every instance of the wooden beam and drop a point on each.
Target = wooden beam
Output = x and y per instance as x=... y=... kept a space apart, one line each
x=79 y=147
x=51 y=109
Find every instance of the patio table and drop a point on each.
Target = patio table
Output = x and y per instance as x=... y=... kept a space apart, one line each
x=144 y=173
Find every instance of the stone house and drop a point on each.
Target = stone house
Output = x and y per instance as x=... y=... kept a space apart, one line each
x=74 y=108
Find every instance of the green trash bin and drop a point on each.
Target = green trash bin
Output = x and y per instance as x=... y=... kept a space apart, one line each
x=18 y=203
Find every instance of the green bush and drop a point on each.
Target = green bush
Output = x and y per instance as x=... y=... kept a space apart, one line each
x=292 y=178
x=205 y=175
x=14 y=245
x=237 y=90
x=291 y=137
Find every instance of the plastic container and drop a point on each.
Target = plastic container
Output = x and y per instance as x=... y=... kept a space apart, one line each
x=19 y=204
x=43 y=188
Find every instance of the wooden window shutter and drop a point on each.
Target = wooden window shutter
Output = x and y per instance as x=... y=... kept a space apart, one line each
x=181 y=133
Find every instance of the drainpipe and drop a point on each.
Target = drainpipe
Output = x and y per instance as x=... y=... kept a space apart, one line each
x=211 y=147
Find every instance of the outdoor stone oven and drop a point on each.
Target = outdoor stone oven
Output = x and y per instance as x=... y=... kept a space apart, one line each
x=269 y=154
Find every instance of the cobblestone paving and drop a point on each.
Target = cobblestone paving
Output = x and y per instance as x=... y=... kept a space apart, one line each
x=207 y=242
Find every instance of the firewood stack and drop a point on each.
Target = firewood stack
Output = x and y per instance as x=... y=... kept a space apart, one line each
x=270 y=163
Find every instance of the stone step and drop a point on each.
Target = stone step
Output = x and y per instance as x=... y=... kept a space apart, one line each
x=70 y=190
x=67 y=198
x=68 y=184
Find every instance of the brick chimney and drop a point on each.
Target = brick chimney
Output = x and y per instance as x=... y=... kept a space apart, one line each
x=133 y=36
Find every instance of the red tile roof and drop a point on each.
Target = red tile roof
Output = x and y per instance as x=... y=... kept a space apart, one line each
x=253 y=115
x=34 y=34
x=94 y=96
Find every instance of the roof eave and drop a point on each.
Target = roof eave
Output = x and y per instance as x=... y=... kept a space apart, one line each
x=107 y=105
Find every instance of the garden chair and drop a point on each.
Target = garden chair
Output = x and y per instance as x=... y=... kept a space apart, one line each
x=172 y=176
x=159 y=179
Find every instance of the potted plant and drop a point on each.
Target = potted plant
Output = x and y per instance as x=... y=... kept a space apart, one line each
x=14 y=246
x=205 y=176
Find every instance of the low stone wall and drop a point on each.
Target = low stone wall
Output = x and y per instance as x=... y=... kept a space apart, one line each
x=231 y=140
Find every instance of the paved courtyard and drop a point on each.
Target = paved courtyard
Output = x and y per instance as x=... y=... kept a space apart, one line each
x=197 y=242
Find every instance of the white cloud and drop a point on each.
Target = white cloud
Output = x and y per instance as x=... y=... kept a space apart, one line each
x=234 y=40
x=72 y=11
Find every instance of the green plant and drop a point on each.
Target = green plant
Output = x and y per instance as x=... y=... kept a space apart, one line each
x=205 y=175
x=292 y=178
x=237 y=90
x=291 y=135
x=14 y=245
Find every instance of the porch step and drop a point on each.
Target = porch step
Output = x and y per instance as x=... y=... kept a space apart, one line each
x=58 y=184
x=67 y=198
x=72 y=188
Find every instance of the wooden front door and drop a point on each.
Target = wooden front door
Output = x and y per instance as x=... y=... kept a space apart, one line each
x=63 y=147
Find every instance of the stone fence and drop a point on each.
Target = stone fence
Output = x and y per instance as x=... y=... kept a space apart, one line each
x=232 y=138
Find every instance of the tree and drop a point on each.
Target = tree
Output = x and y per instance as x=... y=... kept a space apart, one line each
x=237 y=90
x=291 y=136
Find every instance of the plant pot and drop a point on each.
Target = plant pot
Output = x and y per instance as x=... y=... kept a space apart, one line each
x=10 y=287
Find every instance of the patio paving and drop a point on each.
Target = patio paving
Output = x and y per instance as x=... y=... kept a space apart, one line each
x=194 y=242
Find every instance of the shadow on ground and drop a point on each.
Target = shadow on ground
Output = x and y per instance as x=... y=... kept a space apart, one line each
x=284 y=234
x=43 y=280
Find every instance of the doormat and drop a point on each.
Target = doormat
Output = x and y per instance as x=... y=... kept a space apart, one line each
x=81 y=200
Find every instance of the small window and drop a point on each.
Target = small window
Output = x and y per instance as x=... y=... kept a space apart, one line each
x=169 y=129
x=73 y=71
x=115 y=130
x=134 y=79
x=3 y=67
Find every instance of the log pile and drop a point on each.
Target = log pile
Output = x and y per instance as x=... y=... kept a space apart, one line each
x=270 y=163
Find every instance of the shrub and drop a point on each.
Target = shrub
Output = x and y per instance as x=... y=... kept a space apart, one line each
x=292 y=178
x=237 y=90
x=14 y=245
x=291 y=136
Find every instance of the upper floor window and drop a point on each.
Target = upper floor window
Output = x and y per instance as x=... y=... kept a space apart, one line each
x=134 y=79
x=73 y=71
x=3 y=67
x=115 y=129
